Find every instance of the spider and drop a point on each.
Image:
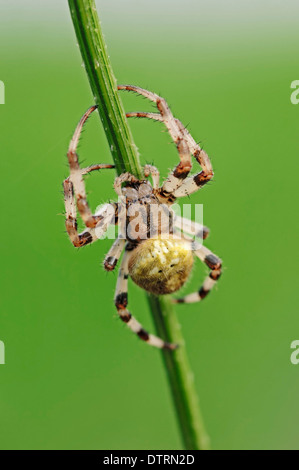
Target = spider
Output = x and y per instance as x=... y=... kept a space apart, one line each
x=161 y=261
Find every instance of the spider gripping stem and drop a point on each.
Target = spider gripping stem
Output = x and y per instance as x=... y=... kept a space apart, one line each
x=177 y=184
x=74 y=191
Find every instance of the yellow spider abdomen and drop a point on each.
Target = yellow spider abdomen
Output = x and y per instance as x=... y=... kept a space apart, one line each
x=161 y=265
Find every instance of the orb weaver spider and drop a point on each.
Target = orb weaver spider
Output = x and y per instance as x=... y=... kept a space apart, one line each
x=162 y=261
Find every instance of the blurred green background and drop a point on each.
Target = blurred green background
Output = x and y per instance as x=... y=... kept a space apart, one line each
x=74 y=377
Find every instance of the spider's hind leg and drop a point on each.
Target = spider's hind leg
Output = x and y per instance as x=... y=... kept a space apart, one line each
x=121 y=302
x=214 y=263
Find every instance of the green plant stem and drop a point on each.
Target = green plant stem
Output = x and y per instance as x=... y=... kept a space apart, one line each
x=180 y=375
x=124 y=152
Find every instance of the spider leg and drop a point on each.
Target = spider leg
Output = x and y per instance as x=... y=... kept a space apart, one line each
x=113 y=254
x=121 y=301
x=155 y=116
x=191 y=185
x=76 y=174
x=178 y=132
x=191 y=227
x=77 y=239
x=214 y=263
x=92 y=234
x=152 y=171
x=123 y=178
x=196 y=182
x=165 y=113
x=98 y=166
x=176 y=177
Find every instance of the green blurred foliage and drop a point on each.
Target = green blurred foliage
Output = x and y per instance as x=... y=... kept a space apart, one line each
x=75 y=377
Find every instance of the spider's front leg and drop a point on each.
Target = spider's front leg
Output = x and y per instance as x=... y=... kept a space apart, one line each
x=77 y=239
x=176 y=185
x=108 y=213
x=121 y=302
x=76 y=175
x=176 y=177
x=196 y=182
x=214 y=263
x=74 y=186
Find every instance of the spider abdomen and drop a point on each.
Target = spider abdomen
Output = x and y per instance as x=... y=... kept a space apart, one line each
x=161 y=265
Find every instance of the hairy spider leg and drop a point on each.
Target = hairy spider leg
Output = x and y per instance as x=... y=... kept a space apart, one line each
x=121 y=302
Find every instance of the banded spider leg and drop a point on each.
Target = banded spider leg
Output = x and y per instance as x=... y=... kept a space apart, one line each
x=177 y=184
x=121 y=302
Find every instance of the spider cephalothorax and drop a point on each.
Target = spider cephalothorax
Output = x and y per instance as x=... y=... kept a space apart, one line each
x=158 y=255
